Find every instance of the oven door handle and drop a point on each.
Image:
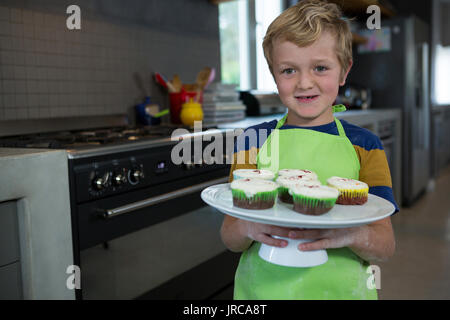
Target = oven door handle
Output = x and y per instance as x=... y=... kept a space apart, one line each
x=108 y=214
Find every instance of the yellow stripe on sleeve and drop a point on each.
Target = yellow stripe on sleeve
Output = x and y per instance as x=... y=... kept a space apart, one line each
x=374 y=167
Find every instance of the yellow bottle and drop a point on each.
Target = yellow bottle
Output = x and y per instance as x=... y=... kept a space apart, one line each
x=191 y=111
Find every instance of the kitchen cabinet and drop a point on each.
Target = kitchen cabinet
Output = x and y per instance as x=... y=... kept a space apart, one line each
x=10 y=275
x=9 y=239
x=359 y=7
x=35 y=228
x=10 y=282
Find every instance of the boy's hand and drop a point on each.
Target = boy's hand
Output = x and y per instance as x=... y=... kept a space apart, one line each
x=372 y=242
x=263 y=233
x=328 y=238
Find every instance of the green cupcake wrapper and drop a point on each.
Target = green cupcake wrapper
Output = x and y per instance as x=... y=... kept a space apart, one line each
x=260 y=196
x=314 y=202
x=283 y=190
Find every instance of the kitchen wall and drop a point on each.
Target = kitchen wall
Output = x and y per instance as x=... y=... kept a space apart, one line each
x=48 y=71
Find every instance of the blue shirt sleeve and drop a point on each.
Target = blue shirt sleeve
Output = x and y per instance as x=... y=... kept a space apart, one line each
x=385 y=193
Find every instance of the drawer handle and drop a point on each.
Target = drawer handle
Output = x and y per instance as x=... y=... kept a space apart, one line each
x=108 y=214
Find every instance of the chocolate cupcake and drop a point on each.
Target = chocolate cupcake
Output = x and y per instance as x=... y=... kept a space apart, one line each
x=351 y=192
x=313 y=200
x=285 y=182
x=254 y=194
x=253 y=173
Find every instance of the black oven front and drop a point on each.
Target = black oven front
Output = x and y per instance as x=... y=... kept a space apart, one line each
x=141 y=230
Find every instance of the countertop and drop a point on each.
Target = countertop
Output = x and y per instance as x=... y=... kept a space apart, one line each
x=36 y=180
x=359 y=117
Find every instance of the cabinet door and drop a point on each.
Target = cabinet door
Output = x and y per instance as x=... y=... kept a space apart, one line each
x=10 y=282
x=9 y=239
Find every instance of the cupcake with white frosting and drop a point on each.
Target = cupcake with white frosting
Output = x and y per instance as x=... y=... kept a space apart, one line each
x=256 y=194
x=313 y=200
x=350 y=191
x=297 y=172
x=253 y=173
x=285 y=182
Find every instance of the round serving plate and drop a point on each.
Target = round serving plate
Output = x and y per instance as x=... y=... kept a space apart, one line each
x=340 y=216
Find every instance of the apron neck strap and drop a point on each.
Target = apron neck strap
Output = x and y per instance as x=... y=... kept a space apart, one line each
x=339 y=127
x=281 y=121
x=341 y=131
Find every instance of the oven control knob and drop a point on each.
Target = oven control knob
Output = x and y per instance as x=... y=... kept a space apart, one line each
x=119 y=179
x=99 y=183
x=189 y=166
x=134 y=176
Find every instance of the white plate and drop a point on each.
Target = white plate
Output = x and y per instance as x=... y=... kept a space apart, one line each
x=340 y=216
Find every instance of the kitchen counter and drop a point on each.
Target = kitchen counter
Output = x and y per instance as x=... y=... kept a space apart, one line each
x=385 y=123
x=35 y=194
x=363 y=118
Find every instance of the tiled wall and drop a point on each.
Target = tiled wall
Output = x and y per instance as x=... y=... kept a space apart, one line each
x=48 y=71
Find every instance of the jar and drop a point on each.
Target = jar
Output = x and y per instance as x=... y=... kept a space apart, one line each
x=190 y=112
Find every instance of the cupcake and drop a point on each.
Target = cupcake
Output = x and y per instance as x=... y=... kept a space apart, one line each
x=313 y=200
x=285 y=182
x=351 y=191
x=253 y=173
x=297 y=172
x=253 y=193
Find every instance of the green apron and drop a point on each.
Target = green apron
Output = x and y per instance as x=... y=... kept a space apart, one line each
x=344 y=275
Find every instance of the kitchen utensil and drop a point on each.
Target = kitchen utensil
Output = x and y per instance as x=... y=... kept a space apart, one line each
x=161 y=113
x=355 y=96
x=190 y=87
x=145 y=112
x=212 y=76
x=176 y=82
x=163 y=82
x=202 y=80
x=341 y=216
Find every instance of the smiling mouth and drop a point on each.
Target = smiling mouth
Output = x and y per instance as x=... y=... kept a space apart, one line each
x=306 y=98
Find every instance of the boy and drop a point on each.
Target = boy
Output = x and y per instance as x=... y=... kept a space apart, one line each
x=309 y=52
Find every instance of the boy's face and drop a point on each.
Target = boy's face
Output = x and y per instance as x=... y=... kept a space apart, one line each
x=308 y=79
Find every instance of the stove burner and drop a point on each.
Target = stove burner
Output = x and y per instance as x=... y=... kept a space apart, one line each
x=95 y=137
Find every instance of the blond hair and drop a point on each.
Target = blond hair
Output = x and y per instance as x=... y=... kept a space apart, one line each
x=303 y=23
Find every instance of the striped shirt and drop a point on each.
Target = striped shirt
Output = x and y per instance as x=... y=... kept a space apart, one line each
x=374 y=168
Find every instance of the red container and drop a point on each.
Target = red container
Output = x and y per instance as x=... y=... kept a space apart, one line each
x=177 y=99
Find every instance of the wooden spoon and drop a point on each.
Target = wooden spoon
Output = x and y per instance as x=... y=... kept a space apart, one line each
x=202 y=80
x=176 y=82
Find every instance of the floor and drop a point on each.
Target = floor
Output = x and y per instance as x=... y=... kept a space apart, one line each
x=420 y=267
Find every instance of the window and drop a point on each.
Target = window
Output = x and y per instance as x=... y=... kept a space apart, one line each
x=266 y=11
x=243 y=24
x=441 y=52
x=442 y=77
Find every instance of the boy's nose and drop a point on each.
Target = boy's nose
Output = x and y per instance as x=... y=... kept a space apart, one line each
x=305 y=82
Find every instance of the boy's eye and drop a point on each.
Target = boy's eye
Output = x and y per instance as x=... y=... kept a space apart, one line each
x=320 y=68
x=288 y=71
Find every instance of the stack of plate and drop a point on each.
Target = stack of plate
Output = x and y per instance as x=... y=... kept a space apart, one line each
x=221 y=104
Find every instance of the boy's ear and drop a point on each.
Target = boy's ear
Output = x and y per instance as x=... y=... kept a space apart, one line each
x=346 y=73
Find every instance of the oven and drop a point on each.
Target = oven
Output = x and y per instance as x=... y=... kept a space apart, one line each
x=140 y=228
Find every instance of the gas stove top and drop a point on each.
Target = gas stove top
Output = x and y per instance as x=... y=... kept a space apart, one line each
x=95 y=142
x=88 y=139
